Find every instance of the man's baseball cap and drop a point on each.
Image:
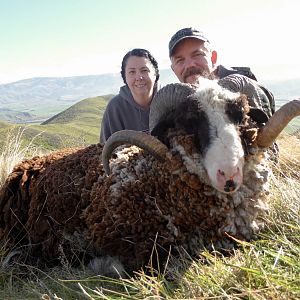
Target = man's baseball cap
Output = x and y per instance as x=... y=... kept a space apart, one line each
x=183 y=34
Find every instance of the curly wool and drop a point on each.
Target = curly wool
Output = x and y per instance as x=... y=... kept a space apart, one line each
x=65 y=203
x=166 y=205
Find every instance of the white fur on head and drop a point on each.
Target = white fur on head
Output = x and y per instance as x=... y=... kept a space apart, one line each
x=224 y=158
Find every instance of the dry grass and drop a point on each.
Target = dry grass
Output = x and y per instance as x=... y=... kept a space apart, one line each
x=266 y=268
x=14 y=150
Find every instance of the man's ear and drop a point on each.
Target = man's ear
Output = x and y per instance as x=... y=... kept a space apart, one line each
x=214 y=57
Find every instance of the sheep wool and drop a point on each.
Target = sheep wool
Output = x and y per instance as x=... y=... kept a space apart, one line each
x=65 y=205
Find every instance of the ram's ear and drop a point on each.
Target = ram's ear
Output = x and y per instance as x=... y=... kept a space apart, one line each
x=237 y=109
x=258 y=115
x=161 y=128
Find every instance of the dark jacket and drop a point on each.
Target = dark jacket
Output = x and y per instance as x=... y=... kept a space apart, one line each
x=224 y=71
x=241 y=79
x=122 y=112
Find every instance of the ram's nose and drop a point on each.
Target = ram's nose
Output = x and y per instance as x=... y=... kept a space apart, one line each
x=229 y=183
x=230 y=186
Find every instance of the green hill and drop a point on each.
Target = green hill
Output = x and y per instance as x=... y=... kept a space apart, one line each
x=84 y=111
x=78 y=125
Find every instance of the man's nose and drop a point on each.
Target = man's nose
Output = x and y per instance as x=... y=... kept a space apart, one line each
x=190 y=62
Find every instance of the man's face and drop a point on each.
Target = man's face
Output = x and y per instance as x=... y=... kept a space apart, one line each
x=191 y=60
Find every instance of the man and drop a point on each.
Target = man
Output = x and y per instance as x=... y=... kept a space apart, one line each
x=192 y=57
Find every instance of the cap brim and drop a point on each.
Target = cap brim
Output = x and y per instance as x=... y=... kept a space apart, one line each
x=186 y=37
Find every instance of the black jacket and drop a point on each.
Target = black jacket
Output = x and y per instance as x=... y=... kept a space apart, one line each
x=241 y=79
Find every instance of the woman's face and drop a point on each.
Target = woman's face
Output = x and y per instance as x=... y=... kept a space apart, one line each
x=140 y=77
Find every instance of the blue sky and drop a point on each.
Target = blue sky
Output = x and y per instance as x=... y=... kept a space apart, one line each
x=82 y=37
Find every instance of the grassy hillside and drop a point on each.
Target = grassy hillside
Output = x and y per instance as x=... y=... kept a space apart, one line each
x=76 y=126
x=82 y=112
x=265 y=268
x=262 y=269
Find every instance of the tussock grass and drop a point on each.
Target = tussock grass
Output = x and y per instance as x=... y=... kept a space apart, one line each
x=14 y=149
x=265 y=268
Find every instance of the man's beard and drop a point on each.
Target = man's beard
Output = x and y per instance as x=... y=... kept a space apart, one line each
x=198 y=71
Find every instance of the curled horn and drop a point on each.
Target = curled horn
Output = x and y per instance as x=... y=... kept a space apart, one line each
x=277 y=123
x=167 y=99
x=132 y=137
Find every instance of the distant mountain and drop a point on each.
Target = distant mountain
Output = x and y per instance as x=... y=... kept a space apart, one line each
x=13 y=116
x=65 y=89
x=286 y=89
x=38 y=99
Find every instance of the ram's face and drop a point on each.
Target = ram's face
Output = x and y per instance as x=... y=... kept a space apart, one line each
x=212 y=116
x=224 y=159
x=223 y=154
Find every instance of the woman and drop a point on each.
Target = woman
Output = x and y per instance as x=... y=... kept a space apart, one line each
x=130 y=108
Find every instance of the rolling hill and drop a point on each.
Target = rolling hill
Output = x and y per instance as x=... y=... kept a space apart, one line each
x=79 y=125
x=84 y=110
x=54 y=118
x=38 y=99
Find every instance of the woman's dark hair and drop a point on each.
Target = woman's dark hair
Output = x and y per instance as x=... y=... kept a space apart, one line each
x=140 y=53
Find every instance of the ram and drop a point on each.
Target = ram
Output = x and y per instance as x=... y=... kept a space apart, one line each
x=199 y=179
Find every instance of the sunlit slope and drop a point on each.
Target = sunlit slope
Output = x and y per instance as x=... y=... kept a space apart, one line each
x=76 y=126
